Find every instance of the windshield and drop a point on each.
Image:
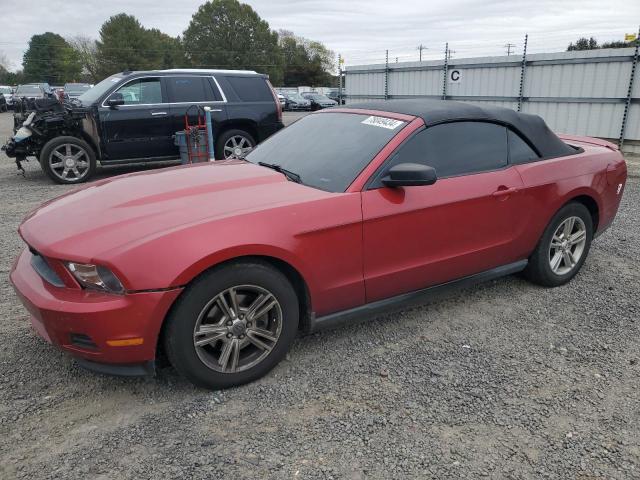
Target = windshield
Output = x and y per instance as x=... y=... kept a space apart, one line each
x=295 y=96
x=5 y=90
x=76 y=88
x=320 y=98
x=327 y=150
x=93 y=94
x=28 y=90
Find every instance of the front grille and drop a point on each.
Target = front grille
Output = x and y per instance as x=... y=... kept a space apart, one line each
x=83 y=341
x=43 y=269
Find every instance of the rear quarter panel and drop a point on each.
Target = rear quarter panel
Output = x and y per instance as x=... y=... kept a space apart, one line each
x=549 y=184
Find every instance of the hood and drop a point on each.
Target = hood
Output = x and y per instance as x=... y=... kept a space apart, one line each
x=103 y=217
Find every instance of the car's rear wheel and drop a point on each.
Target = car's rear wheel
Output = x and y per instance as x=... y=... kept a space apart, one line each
x=563 y=248
x=68 y=160
x=234 y=144
x=232 y=325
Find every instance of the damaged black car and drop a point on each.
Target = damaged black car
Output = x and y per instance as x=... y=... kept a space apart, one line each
x=131 y=118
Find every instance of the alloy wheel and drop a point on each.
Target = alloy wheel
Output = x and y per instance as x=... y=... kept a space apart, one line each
x=237 y=147
x=69 y=162
x=238 y=328
x=567 y=245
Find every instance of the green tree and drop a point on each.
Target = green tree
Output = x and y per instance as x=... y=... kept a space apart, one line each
x=170 y=48
x=306 y=62
x=50 y=58
x=124 y=45
x=619 y=44
x=583 y=44
x=88 y=54
x=592 y=44
x=230 y=34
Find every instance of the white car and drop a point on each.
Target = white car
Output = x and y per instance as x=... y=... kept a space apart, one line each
x=7 y=93
x=282 y=100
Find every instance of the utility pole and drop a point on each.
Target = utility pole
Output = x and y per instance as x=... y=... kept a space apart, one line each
x=420 y=49
x=450 y=53
x=509 y=46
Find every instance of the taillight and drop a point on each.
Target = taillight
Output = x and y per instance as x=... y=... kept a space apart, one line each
x=275 y=98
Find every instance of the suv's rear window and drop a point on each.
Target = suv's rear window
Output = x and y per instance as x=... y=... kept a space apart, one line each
x=251 y=89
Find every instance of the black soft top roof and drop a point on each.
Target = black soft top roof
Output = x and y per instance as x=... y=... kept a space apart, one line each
x=433 y=112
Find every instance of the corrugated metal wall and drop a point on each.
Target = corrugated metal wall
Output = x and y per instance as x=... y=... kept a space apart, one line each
x=580 y=92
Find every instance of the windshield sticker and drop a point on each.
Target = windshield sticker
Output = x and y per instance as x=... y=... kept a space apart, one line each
x=383 y=122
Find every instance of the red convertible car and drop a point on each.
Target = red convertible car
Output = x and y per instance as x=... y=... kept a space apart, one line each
x=347 y=213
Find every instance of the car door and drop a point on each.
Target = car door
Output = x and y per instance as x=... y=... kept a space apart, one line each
x=141 y=128
x=187 y=92
x=465 y=223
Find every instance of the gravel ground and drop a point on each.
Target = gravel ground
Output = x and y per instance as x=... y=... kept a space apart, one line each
x=505 y=380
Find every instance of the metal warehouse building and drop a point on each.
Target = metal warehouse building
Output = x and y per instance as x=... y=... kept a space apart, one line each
x=590 y=92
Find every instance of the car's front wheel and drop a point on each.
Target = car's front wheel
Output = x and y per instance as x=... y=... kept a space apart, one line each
x=563 y=247
x=68 y=160
x=232 y=325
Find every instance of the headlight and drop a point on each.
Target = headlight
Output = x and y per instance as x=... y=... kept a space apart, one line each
x=96 y=277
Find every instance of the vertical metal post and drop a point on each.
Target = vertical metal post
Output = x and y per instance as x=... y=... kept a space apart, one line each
x=627 y=104
x=446 y=71
x=523 y=68
x=209 y=123
x=339 y=79
x=386 y=76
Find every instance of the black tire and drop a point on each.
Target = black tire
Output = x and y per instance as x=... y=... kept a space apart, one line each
x=182 y=320
x=77 y=145
x=539 y=268
x=222 y=140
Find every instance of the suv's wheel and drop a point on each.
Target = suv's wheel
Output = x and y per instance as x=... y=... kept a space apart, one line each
x=563 y=247
x=232 y=325
x=234 y=144
x=68 y=160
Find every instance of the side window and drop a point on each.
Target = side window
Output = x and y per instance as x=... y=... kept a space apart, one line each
x=141 y=92
x=457 y=148
x=519 y=150
x=190 y=89
x=251 y=89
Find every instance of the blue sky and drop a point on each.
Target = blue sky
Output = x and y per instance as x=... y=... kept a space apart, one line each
x=361 y=30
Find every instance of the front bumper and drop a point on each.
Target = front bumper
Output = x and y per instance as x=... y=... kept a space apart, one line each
x=84 y=323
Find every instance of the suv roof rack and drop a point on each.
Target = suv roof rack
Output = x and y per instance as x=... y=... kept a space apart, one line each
x=206 y=70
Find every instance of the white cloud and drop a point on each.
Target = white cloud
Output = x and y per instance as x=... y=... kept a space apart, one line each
x=359 y=29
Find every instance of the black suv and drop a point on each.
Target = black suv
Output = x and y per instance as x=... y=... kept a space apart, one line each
x=131 y=117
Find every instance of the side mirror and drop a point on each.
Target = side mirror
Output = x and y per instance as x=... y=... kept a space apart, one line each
x=410 y=175
x=115 y=99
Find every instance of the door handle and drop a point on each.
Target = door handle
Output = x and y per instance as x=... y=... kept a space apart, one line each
x=503 y=192
x=158 y=113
